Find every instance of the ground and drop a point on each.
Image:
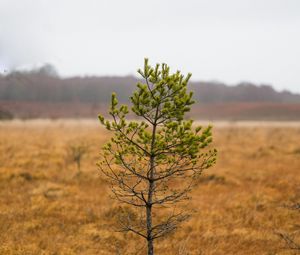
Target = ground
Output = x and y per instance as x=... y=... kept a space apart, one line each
x=47 y=207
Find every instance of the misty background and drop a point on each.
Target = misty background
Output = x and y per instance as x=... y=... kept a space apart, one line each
x=63 y=59
x=228 y=41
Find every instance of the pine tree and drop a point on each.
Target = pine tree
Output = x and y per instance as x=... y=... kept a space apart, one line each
x=153 y=161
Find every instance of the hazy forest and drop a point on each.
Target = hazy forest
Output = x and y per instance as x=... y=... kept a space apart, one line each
x=41 y=93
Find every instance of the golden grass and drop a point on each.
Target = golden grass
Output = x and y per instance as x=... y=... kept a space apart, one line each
x=46 y=208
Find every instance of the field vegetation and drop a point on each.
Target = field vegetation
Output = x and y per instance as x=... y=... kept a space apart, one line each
x=239 y=206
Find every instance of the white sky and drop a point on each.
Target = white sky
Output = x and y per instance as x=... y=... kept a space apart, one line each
x=224 y=40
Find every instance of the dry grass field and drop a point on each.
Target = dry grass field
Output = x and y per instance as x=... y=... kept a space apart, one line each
x=46 y=207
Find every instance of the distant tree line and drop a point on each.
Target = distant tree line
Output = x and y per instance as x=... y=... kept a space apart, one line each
x=44 y=85
x=5 y=115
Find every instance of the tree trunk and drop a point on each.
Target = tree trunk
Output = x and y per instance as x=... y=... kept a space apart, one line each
x=149 y=219
x=151 y=190
x=150 y=247
x=78 y=167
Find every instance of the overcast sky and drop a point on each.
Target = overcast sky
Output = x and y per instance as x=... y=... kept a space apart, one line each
x=224 y=40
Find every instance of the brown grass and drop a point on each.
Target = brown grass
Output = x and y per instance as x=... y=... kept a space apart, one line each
x=46 y=208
